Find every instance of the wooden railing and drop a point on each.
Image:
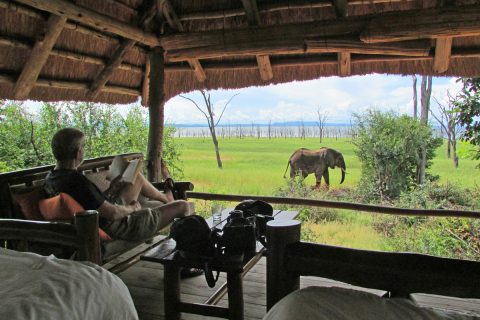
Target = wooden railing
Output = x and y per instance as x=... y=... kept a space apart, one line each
x=338 y=205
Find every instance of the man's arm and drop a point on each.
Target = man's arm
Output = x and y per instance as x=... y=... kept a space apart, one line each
x=113 y=212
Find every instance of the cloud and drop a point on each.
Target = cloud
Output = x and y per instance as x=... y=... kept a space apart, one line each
x=296 y=101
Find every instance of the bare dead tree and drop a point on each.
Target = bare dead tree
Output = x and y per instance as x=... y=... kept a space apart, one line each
x=415 y=102
x=426 y=92
x=270 y=129
x=449 y=120
x=322 y=120
x=209 y=114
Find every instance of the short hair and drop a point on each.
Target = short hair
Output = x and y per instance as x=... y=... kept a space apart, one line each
x=66 y=143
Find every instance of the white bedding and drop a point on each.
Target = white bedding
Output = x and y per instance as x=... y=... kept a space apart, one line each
x=38 y=287
x=320 y=303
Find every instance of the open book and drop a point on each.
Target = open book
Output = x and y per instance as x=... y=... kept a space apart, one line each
x=127 y=170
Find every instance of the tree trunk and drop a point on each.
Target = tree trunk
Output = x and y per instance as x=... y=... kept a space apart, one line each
x=425 y=100
x=454 y=152
x=415 y=110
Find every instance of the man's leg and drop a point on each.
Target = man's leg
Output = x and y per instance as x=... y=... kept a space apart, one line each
x=146 y=223
x=130 y=192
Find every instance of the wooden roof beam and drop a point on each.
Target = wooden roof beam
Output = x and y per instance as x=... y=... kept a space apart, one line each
x=344 y=64
x=166 y=9
x=94 y=19
x=38 y=57
x=417 y=48
x=72 y=85
x=443 y=51
x=341 y=8
x=253 y=18
x=457 y=21
x=277 y=6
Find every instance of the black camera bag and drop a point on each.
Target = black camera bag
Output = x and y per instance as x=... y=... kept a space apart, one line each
x=262 y=211
x=195 y=240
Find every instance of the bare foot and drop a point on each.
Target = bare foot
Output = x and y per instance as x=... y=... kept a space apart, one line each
x=164 y=170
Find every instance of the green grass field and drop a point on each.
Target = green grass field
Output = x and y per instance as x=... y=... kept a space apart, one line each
x=256 y=166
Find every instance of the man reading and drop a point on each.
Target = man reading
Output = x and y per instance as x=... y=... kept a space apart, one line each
x=118 y=206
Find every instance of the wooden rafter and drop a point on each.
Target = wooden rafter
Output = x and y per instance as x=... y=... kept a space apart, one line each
x=344 y=64
x=341 y=8
x=38 y=57
x=118 y=56
x=72 y=85
x=443 y=51
x=114 y=62
x=94 y=19
x=426 y=23
x=66 y=54
x=166 y=9
x=417 y=48
x=253 y=18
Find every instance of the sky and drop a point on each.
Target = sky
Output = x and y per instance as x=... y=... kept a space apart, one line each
x=338 y=97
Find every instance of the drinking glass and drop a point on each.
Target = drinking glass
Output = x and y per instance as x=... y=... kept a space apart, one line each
x=217 y=209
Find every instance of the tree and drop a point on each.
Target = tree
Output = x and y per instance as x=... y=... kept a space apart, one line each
x=415 y=100
x=387 y=145
x=449 y=120
x=209 y=114
x=26 y=137
x=467 y=103
x=322 y=119
x=426 y=92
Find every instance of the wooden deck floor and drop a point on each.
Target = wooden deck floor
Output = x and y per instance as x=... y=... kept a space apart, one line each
x=145 y=282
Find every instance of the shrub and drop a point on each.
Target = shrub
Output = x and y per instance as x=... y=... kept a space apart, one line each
x=388 y=145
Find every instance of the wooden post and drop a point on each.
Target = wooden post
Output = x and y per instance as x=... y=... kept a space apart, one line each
x=86 y=224
x=235 y=295
x=279 y=282
x=156 y=100
x=171 y=283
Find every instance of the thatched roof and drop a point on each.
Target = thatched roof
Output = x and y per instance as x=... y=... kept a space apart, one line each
x=228 y=42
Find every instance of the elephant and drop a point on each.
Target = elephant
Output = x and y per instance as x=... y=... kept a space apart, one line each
x=305 y=161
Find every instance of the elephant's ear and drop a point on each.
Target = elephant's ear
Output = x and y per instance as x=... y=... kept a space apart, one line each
x=330 y=159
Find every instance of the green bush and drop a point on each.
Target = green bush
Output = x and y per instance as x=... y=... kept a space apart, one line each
x=388 y=146
x=26 y=136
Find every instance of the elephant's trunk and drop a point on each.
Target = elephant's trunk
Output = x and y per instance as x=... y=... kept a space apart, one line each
x=343 y=175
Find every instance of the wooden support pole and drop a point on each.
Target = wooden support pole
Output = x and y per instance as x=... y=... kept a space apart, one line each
x=94 y=19
x=166 y=9
x=156 y=100
x=146 y=83
x=279 y=282
x=40 y=52
x=344 y=64
x=443 y=52
x=86 y=224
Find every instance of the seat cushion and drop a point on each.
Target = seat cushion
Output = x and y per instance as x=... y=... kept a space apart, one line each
x=64 y=207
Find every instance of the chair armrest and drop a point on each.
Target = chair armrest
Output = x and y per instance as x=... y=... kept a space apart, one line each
x=180 y=188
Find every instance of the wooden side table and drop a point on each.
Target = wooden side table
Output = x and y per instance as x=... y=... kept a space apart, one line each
x=234 y=267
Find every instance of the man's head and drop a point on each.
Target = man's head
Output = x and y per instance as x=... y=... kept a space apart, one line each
x=67 y=143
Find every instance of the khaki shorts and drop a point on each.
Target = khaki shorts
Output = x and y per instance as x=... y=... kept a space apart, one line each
x=140 y=225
